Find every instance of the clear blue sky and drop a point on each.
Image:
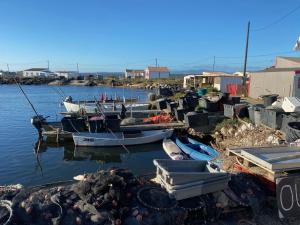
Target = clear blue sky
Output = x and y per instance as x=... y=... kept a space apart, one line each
x=115 y=34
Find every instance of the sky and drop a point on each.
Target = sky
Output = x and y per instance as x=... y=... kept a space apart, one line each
x=113 y=35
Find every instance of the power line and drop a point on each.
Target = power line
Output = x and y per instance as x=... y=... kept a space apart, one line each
x=255 y=56
x=278 y=20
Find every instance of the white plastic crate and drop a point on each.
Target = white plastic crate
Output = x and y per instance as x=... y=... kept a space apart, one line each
x=291 y=104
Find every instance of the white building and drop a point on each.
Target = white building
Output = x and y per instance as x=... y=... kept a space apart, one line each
x=156 y=72
x=282 y=79
x=130 y=73
x=67 y=74
x=37 y=72
x=218 y=80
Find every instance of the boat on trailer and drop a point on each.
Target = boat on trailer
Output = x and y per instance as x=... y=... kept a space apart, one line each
x=120 y=138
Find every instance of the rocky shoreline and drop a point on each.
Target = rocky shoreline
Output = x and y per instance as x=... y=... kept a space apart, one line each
x=107 y=81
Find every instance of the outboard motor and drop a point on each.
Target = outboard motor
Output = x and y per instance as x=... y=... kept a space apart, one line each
x=68 y=99
x=37 y=122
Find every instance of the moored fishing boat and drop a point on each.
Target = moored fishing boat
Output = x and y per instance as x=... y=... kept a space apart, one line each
x=92 y=106
x=193 y=151
x=211 y=151
x=120 y=138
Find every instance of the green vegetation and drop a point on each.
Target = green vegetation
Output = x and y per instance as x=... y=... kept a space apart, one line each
x=227 y=123
x=199 y=108
x=177 y=96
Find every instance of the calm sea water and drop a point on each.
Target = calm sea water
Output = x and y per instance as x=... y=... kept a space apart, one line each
x=57 y=162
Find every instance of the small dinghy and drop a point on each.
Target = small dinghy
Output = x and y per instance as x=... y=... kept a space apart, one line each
x=193 y=151
x=211 y=151
x=172 y=150
x=120 y=138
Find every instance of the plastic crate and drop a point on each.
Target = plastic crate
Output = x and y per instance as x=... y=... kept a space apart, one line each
x=171 y=106
x=272 y=117
x=161 y=104
x=179 y=113
x=238 y=110
x=194 y=119
x=189 y=178
x=112 y=122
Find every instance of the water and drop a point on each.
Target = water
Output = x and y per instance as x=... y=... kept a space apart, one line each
x=57 y=162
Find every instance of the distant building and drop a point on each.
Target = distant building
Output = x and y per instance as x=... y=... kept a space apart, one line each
x=156 y=72
x=283 y=79
x=37 y=72
x=68 y=74
x=218 y=80
x=131 y=73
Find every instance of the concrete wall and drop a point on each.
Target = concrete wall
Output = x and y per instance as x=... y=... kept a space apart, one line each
x=263 y=83
x=285 y=63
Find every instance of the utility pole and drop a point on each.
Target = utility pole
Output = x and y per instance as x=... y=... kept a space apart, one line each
x=48 y=64
x=155 y=62
x=7 y=68
x=246 y=55
x=77 y=68
x=214 y=63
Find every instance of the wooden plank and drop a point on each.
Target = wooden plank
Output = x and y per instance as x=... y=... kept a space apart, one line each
x=247 y=159
x=256 y=155
x=275 y=172
x=284 y=157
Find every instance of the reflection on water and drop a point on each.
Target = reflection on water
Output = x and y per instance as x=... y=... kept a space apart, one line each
x=100 y=154
x=105 y=157
x=21 y=162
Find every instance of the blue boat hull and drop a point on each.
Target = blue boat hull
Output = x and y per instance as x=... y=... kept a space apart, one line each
x=192 y=153
x=212 y=152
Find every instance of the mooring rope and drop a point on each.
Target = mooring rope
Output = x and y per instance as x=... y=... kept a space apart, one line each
x=102 y=114
x=7 y=204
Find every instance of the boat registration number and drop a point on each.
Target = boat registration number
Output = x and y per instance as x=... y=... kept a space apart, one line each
x=88 y=139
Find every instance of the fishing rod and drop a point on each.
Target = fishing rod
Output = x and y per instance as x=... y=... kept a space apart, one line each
x=27 y=98
x=57 y=92
x=102 y=114
x=62 y=92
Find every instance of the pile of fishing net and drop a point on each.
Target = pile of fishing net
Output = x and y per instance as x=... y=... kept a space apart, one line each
x=114 y=196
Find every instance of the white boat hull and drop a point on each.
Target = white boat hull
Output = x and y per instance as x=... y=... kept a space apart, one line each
x=92 y=108
x=118 y=139
x=172 y=150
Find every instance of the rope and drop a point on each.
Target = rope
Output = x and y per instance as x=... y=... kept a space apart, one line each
x=55 y=200
x=73 y=126
x=7 y=204
x=244 y=221
x=102 y=114
x=26 y=97
x=150 y=206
